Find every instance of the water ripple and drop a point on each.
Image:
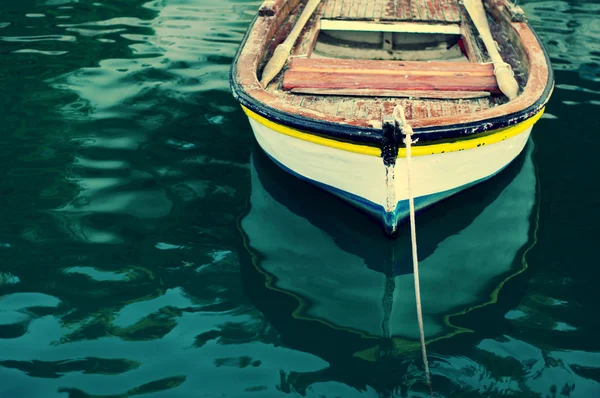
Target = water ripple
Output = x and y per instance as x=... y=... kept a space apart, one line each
x=571 y=32
x=124 y=271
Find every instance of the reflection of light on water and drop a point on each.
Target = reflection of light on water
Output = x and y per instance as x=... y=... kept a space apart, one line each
x=570 y=32
x=97 y=274
x=170 y=56
x=8 y=279
x=186 y=48
x=140 y=317
x=175 y=355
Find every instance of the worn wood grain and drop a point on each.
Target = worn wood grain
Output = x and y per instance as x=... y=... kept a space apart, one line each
x=326 y=80
x=369 y=92
x=378 y=66
x=346 y=107
x=392 y=10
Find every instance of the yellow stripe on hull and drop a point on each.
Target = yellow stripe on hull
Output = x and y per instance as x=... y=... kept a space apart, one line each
x=362 y=149
x=490 y=138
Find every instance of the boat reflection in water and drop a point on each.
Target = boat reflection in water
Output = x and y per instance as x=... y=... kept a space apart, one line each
x=330 y=282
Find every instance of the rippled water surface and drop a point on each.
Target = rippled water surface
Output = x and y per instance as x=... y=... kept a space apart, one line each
x=148 y=248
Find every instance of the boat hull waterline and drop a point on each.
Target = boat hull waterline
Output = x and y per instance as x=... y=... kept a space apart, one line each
x=359 y=176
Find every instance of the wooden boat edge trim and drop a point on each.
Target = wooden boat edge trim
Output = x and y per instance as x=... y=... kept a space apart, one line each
x=490 y=138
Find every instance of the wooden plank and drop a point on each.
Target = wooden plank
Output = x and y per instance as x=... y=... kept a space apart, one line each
x=397 y=27
x=465 y=107
x=294 y=100
x=336 y=10
x=435 y=10
x=370 y=10
x=470 y=40
x=422 y=9
x=310 y=102
x=448 y=108
x=296 y=79
x=383 y=66
x=354 y=9
x=346 y=108
x=420 y=109
x=328 y=10
x=484 y=104
x=360 y=110
x=308 y=37
x=428 y=10
x=398 y=10
x=404 y=11
x=389 y=11
x=330 y=105
x=432 y=94
x=345 y=12
x=374 y=111
x=378 y=11
x=347 y=9
x=454 y=13
x=393 y=10
x=446 y=10
x=408 y=109
x=436 y=109
x=396 y=74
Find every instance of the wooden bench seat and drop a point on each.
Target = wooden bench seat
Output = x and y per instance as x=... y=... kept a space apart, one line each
x=323 y=76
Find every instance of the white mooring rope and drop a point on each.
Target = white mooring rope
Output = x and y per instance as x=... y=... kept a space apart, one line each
x=407 y=131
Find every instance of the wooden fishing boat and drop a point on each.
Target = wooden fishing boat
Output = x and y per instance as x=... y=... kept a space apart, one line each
x=320 y=80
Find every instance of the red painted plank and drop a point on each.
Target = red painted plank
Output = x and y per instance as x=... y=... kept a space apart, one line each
x=389 y=75
x=456 y=82
x=308 y=64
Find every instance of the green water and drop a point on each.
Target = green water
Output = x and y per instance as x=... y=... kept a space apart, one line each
x=148 y=247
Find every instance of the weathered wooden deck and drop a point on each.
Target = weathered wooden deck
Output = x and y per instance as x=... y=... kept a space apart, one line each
x=439 y=11
x=373 y=109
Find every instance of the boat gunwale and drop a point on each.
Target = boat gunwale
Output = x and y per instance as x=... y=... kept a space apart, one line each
x=430 y=148
x=249 y=95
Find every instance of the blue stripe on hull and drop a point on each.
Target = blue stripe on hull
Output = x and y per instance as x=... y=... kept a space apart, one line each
x=390 y=219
